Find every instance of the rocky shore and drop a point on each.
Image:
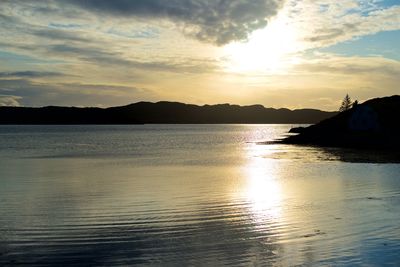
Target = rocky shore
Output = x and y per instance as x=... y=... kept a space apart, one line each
x=372 y=124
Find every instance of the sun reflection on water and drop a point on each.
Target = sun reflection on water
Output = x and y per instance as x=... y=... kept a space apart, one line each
x=263 y=189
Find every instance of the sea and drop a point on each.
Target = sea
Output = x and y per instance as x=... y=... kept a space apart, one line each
x=192 y=195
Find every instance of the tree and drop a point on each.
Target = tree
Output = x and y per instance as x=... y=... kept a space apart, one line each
x=346 y=104
x=355 y=104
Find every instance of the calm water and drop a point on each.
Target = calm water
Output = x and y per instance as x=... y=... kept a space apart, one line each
x=178 y=195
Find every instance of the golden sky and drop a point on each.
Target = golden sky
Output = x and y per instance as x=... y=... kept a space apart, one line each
x=293 y=53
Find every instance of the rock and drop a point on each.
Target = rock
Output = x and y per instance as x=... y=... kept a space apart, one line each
x=297 y=130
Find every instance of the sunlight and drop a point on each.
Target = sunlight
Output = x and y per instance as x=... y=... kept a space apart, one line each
x=263 y=190
x=272 y=49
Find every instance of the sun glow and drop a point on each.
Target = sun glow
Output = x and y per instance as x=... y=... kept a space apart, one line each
x=272 y=49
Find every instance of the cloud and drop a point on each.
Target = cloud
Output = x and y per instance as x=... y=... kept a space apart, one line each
x=61 y=35
x=29 y=74
x=98 y=52
x=352 y=66
x=26 y=92
x=10 y=100
x=214 y=21
x=84 y=53
x=329 y=22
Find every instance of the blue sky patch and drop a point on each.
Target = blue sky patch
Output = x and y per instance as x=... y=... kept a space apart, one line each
x=382 y=43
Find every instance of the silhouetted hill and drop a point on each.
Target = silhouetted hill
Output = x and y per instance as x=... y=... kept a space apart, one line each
x=373 y=124
x=160 y=112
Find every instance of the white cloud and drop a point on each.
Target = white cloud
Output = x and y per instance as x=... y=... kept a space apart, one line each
x=327 y=22
x=10 y=100
x=350 y=66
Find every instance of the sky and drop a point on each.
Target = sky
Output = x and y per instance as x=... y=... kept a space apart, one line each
x=293 y=53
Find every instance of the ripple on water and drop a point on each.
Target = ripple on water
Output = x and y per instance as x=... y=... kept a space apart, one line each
x=190 y=195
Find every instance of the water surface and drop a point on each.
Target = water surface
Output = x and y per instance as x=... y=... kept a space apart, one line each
x=190 y=195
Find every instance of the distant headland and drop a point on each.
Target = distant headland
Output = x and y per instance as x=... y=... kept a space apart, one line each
x=161 y=113
x=372 y=124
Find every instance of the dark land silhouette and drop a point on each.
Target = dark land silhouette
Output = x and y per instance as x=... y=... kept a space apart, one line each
x=160 y=112
x=373 y=124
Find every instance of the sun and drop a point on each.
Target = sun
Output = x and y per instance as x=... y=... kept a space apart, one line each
x=269 y=50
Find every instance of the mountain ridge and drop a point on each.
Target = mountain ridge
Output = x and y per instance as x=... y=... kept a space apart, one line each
x=160 y=112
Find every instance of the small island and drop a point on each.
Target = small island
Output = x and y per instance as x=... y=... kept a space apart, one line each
x=373 y=124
